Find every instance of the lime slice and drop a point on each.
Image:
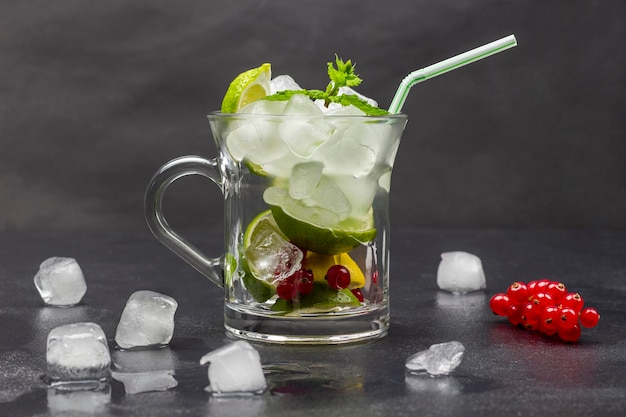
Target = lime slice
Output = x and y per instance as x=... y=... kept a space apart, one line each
x=247 y=87
x=317 y=229
x=269 y=255
x=319 y=263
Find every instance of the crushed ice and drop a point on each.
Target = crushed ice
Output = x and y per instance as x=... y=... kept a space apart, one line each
x=439 y=359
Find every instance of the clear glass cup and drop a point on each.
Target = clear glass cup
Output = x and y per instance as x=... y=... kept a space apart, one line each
x=306 y=217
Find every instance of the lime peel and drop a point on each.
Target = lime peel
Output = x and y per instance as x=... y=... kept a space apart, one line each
x=247 y=87
x=326 y=240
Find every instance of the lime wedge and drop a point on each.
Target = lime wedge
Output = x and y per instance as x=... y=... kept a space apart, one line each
x=247 y=87
x=315 y=228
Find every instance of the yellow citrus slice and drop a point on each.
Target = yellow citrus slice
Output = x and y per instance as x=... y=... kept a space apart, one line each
x=319 y=263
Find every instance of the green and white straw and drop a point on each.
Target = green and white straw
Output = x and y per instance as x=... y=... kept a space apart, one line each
x=445 y=66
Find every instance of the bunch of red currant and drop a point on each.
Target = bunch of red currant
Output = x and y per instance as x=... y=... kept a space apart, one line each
x=546 y=306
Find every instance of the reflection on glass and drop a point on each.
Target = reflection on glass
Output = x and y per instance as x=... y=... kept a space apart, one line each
x=137 y=382
x=87 y=402
x=236 y=406
x=445 y=385
x=145 y=370
x=144 y=360
x=469 y=302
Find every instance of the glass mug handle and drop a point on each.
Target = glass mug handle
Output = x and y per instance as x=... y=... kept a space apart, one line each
x=153 y=205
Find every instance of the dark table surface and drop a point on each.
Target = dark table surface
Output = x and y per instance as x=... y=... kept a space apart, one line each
x=505 y=370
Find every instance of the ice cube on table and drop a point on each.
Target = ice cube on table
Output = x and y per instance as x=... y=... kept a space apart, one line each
x=438 y=359
x=460 y=272
x=283 y=83
x=60 y=281
x=147 y=320
x=77 y=353
x=235 y=369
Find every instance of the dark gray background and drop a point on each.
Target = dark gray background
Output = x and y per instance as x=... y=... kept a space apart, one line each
x=95 y=96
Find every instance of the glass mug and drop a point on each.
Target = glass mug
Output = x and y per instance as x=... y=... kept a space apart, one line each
x=306 y=217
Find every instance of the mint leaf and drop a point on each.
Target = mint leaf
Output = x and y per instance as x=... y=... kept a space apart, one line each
x=364 y=106
x=341 y=74
x=287 y=94
x=283 y=95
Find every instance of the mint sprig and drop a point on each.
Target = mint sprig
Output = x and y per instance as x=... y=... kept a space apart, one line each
x=341 y=74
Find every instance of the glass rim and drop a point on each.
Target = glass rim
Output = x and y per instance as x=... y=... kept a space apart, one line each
x=390 y=117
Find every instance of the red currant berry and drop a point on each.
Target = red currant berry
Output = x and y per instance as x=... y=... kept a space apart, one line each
x=589 y=317
x=517 y=292
x=549 y=320
x=573 y=301
x=530 y=316
x=499 y=304
x=338 y=277
x=358 y=294
x=285 y=289
x=568 y=318
x=514 y=314
x=557 y=290
x=541 y=300
x=537 y=285
x=531 y=325
x=571 y=334
x=303 y=284
x=307 y=273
